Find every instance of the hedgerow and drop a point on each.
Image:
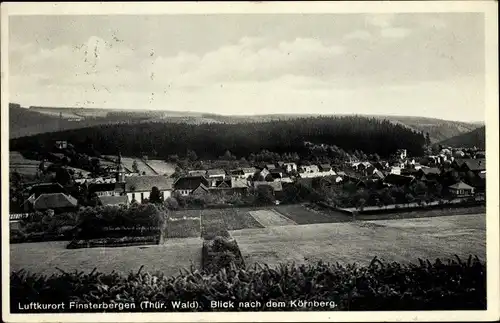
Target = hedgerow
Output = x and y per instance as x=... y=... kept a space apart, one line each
x=454 y=284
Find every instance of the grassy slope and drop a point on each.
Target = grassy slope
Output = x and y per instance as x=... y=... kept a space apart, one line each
x=393 y=240
x=475 y=137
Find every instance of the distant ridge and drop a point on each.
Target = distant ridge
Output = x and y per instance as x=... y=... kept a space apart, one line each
x=40 y=119
x=473 y=138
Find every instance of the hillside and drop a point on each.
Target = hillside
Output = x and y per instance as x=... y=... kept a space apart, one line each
x=211 y=140
x=25 y=122
x=473 y=138
x=438 y=129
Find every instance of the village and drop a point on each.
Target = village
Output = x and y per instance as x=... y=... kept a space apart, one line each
x=453 y=173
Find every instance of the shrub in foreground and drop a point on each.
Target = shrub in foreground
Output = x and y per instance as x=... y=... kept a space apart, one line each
x=380 y=286
x=221 y=252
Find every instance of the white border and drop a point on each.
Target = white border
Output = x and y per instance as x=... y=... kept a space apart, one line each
x=489 y=8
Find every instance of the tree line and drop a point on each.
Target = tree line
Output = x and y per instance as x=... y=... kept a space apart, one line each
x=210 y=141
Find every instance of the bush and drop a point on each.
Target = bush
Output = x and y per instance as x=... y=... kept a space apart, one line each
x=113 y=242
x=221 y=252
x=455 y=285
x=109 y=221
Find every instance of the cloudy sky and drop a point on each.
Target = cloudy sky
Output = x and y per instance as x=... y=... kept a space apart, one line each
x=394 y=64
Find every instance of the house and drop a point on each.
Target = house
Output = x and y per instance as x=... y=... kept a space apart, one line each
x=395 y=170
x=381 y=165
x=219 y=182
x=290 y=167
x=461 y=189
x=138 y=188
x=478 y=182
x=408 y=171
x=113 y=200
x=188 y=184
x=239 y=185
x=398 y=180
x=270 y=166
x=102 y=189
x=237 y=173
x=59 y=202
x=45 y=188
x=378 y=175
x=277 y=172
x=61 y=144
x=216 y=173
x=262 y=174
x=428 y=174
x=309 y=169
x=197 y=172
x=480 y=155
x=341 y=173
x=249 y=171
x=473 y=165
x=200 y=190
x=401 y=153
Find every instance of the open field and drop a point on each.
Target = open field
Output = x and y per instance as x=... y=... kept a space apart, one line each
x=145 y=168
x=271 y=218
x=128 y=162
x=303 y=215
x=25 y=167
x=359 y=241
x=214 y=220
x=162 y=167
x=44 y=257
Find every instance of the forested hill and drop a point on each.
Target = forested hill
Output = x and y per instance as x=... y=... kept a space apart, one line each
x=475 y=138
x=212 y=140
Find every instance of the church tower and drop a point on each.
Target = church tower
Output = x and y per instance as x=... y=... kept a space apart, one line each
x=120 y=171
x=119 y=176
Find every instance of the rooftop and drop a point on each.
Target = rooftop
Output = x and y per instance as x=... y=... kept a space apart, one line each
x=54 y=201
x=146 y=183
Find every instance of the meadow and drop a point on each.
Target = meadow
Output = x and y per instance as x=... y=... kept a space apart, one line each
x=268 y=237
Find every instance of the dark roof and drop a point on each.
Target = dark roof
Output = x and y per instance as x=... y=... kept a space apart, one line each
x=212 y=172
x=276 y=170
x=475 y=164
x=113 y=200
x=270 y=166
x=325 y=167
x=190 y=182
x=146 y=183
x=275 y=175
x=430 y=170
x=200 y=187
x=54 y=201
x=46 y=188
x=460 y=186
x=395 y=179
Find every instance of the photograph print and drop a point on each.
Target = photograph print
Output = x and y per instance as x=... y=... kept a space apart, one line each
x=327 y=162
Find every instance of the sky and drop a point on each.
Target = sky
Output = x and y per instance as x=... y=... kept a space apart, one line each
x=419 y=64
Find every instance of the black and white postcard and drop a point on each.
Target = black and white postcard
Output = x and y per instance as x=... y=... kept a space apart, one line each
x=250 y=161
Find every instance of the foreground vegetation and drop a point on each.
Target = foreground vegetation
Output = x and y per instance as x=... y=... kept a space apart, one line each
x=455 y=284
